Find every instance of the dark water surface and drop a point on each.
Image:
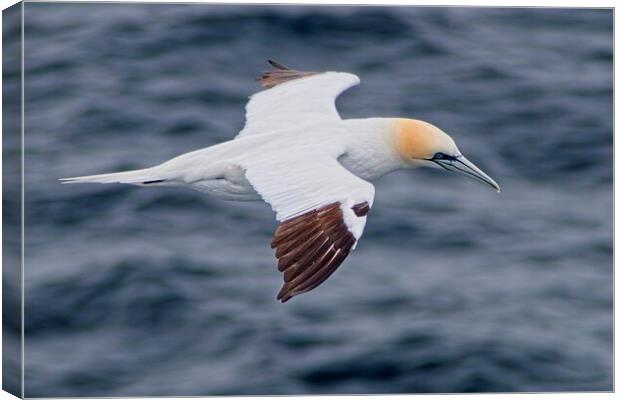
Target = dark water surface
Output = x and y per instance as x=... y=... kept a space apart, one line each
x=453 y=288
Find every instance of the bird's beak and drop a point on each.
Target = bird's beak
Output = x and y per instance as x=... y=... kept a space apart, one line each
x=464 y=166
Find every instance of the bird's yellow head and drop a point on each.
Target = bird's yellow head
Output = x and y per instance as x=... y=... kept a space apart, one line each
x=422 y=144
x=418 y=140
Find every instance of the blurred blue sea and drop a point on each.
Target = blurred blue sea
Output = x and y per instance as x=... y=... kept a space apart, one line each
x=453 y=288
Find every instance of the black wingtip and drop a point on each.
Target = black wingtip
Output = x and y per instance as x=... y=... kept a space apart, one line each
x=283 y=295
x=277 y=65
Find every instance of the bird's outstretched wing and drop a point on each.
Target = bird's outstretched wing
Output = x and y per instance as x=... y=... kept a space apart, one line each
x=322 y=210
x=294 y=97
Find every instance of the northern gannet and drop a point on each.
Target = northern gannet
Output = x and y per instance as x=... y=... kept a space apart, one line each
x=311 y=166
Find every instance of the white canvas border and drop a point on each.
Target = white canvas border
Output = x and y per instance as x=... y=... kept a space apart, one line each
x=479 y=3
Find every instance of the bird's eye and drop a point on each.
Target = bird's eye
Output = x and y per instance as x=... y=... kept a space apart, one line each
x=438 y=156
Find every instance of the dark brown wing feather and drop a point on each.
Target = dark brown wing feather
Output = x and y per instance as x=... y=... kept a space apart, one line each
x=280 y=74
x=311 y=246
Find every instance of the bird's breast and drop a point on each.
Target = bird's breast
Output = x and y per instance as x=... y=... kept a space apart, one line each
x=369 y=161
x=366 y=166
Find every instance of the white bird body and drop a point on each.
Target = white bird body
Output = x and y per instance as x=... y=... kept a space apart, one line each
x=312 y=167
x=361 y=146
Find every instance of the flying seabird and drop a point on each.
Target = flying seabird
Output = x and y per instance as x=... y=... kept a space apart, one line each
x=311 y=166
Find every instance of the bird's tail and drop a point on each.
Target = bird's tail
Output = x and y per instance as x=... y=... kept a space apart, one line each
x=147 y=176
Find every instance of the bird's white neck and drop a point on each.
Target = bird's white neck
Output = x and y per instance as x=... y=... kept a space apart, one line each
x=371 y=151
